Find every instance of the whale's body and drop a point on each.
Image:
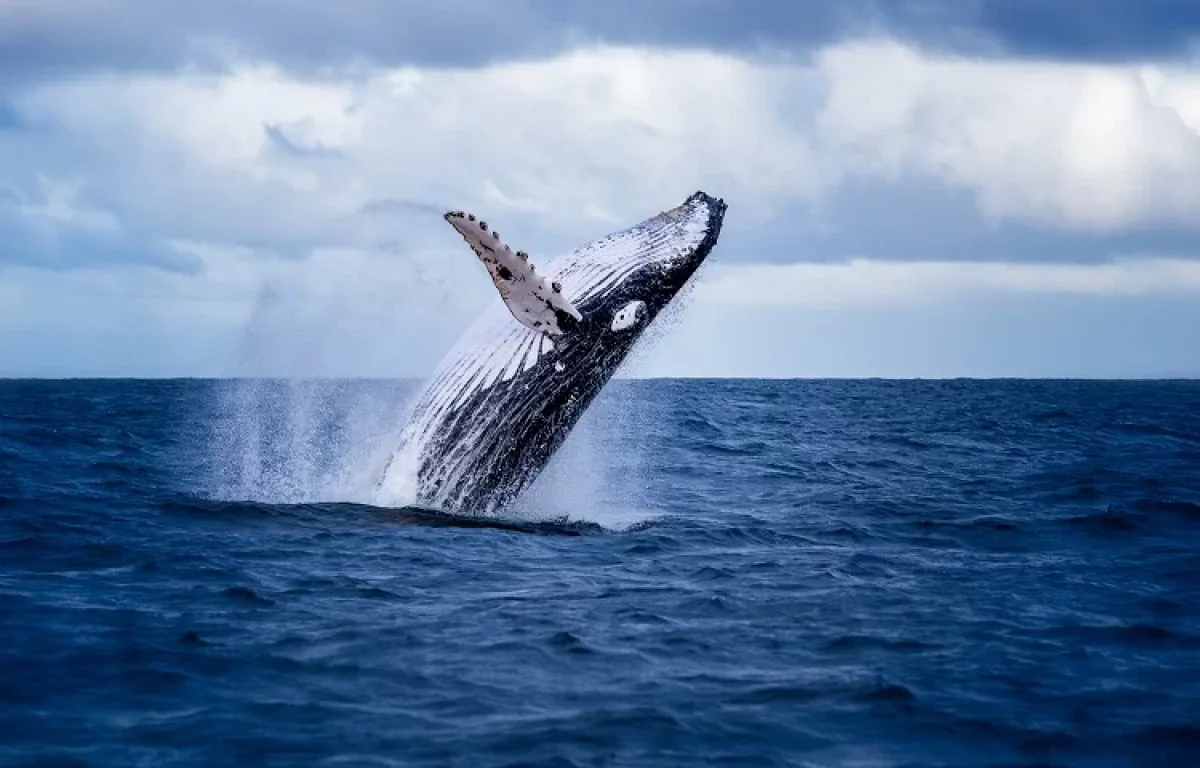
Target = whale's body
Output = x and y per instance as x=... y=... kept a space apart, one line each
x=505 y=398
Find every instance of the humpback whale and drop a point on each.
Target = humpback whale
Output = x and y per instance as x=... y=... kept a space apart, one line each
x=506 y=396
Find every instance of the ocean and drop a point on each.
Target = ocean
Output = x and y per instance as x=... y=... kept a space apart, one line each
x=717 y=573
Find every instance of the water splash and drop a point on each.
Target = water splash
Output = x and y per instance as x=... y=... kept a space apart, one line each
x=598 y=475
x=286 y=431
x=282 y=437
x=295 y=441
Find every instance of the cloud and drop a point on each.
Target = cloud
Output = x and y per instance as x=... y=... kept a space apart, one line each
x=306 y=209
x=337 y=313
x=55 y=39
x=1000 y=335
x=935 y=320
x=10 y=120
x=55 y=226
x=1096 y=30
x=1087 y=147
x=570 y=147
x=347 y=313
x=864 y=282
x=874 y=149
x=279 y=140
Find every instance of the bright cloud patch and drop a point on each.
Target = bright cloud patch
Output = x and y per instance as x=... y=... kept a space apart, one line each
x=1089 y=147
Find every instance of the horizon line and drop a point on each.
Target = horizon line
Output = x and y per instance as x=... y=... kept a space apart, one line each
x=1147 y=378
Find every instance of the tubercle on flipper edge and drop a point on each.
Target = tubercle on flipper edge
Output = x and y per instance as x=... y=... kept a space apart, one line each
x=534 y=301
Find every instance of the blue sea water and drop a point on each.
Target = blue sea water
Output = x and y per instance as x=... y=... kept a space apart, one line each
x=732 y=573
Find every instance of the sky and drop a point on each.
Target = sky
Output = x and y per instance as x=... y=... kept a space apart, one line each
x=916 y=188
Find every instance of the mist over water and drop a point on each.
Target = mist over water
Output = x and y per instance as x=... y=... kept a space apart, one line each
x=292 y=441
x=280 y=432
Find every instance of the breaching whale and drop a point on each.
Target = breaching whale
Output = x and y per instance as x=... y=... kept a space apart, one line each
x=507 y=395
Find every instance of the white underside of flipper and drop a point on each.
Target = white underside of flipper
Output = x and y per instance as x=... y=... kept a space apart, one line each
x=532 y=299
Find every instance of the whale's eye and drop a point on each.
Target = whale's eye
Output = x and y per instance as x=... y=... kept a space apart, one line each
x=628 y=316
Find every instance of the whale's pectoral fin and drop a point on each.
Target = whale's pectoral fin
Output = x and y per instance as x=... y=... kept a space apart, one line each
x=532 y=299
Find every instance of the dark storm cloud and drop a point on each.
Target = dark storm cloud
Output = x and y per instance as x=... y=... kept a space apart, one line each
x=62 y=38
x=1090 y=29
x=54 y=38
